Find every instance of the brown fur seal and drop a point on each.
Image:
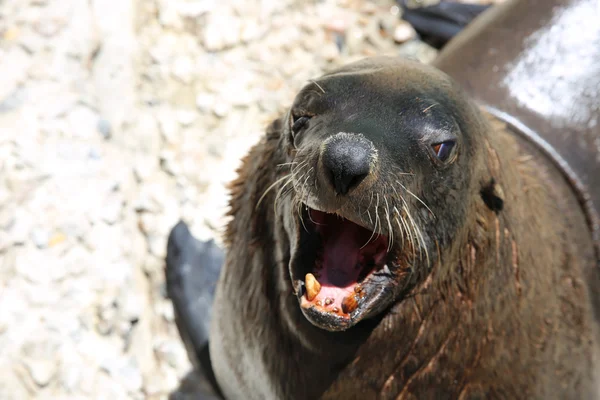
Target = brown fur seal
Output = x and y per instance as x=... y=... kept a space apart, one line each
x=391 y=240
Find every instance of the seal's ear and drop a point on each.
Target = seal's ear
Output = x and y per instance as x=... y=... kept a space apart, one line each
x=492 y=196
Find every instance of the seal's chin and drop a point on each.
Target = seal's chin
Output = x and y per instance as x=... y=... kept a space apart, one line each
x=341 y=270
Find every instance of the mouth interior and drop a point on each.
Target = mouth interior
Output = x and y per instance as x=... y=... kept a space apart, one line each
x=348 y=254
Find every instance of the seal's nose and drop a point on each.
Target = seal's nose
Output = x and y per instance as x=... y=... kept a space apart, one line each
x=347 y=161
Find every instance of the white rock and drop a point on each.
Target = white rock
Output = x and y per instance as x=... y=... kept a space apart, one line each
x=131 y=307
x=183 y=69
x=70 y=378
x=13 y=70
x=125 y=372
x=221 y=31
x=251 y=30
x=170 y=351
x=404 y=32
x=83 y=122
x=204 y=101
x=22 y=225
x=41 y=371
x=27 y=264
x=195 y=8
x=221 y=109
x=330 y=51
x=111 y=211
x=168 y=15
x=168 y=163
x=144 y=168
x=166 y=310
x=158 y=246
x=167 y=123
x=104 y=128
x=5 y=241
x=40 y=237
x=186 y=117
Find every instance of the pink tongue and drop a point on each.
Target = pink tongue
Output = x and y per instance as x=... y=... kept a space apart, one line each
x=345 y=250
x=341 y=251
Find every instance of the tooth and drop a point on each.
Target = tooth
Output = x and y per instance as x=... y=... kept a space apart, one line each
x=328 y=301
x=349 y=304
x=313 y=287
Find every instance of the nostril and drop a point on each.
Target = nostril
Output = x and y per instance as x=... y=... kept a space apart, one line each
x=356 y=180
x=347 y=161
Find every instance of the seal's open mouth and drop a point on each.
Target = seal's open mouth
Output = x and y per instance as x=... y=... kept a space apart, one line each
x=344 y=267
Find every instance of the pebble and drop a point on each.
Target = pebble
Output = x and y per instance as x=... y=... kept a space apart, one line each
x=168 y=163
x=186 y=117
x=157 y=246
x=221 y=109
x=22 y=225
x=40 y=237
x=170 y=351
x=5 y=241
x=125 y=372
x=167 y=124
x=41 y=371
x=404 y=32
x=183 y=69
x=104 y=128
x=131 y=307
x=144 y=169
x=204 y=101
x=418 y=50
x=222 y=31
x=13 y=70
x=83 y=122
x=111 y=211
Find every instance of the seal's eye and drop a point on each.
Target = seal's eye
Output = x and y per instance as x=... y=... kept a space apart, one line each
x=298 y=123
x=443 y=150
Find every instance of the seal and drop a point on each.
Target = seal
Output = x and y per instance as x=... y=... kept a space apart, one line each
x=392 y=239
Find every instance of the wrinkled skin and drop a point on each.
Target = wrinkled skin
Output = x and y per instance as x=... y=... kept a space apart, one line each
x=491 y=301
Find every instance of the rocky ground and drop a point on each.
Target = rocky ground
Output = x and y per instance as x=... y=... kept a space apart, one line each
x=118 y=118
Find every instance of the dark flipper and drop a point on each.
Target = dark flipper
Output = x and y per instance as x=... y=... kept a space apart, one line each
x=192 y=271
x=439 y=23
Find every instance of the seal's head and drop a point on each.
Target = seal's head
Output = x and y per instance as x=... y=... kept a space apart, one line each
x=381 y=155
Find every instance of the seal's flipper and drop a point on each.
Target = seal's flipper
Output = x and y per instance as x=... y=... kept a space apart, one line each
x=192 y=271
x=439 y=23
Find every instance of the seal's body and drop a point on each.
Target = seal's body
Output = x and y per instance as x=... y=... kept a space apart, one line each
x=437 y=255
x=391 y=239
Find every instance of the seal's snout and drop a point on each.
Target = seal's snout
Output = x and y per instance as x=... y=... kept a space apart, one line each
x=348 y=160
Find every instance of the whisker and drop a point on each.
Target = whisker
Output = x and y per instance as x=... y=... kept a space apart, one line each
x=402 y=172
x=416 y=197
x=409 y=232
x=391 y=232
x=288 y=163
x=375 y=227
x=319 y=86
x=269 y=188
x=299 y=206
x=291 y=180
x=377 y=213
